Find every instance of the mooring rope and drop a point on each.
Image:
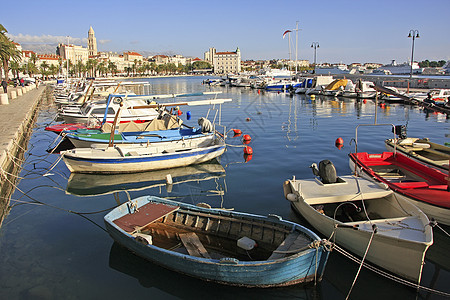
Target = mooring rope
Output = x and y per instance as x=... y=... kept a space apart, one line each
x=388 y=275
x=374 y=230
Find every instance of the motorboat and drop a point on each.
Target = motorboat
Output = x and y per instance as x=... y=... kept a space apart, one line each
x=361 y=215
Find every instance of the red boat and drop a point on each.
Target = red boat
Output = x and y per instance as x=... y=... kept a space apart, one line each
x=426 y=187
x=58 y=128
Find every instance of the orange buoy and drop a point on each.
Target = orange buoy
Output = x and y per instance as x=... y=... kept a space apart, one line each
x=364 y=101
x=259 y=92
x=247 y=137
x=179 y=112
x=237 y=131
x=382 y=105
x=248 y=157
x=248 y=150
x=339 y=143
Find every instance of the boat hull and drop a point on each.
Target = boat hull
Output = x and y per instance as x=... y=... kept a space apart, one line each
x=294 y=269
x=142 y=163
x=392 y=252
x=424 y=198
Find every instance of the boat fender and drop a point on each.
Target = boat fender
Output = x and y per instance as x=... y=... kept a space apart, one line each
x=327 y=172
x=292 y=197
x=246 y=243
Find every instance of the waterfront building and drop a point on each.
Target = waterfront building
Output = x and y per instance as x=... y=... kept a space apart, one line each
x=132 y=56
x=224 y=62
x=49 y=59
x=161 y=59
x=73 y=53
x=92 y=43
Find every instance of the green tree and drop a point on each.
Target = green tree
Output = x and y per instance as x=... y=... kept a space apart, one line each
x=44 y=67
x=8 y=52
x=112 y=67
x=198 y=65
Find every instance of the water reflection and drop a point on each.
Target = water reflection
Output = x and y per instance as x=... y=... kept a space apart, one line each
x=150 y=275
x=100 y=184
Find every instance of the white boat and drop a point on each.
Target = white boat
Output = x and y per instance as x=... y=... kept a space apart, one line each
x=337 y=87
x=362 y=89
x=331 y=70
x=143 y=157
x=361 y=214
x=106 y=111
x=318 y=84
x=397 y=69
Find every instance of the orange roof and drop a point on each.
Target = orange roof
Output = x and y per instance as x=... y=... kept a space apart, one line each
x=27 y=53
x=133 y=53
x=196 y=59
x=48 y=56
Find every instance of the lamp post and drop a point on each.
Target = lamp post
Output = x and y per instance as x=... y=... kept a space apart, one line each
x=315 y=45
x=414 y=34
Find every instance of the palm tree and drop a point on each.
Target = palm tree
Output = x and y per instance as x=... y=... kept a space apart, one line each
x=112 y=67
x=101 y=68
x=44 y=67
x=8 y=52
x=15 y=68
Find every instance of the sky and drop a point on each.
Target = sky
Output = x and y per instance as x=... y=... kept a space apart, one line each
x=348 y=31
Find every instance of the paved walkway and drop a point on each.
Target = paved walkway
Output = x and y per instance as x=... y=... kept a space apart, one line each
x=12 y=115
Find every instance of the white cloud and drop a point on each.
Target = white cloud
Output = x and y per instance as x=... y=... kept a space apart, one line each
x=45 y=39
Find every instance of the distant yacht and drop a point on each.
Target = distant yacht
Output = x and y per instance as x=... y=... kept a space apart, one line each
x=330 y=70
x=397 y=69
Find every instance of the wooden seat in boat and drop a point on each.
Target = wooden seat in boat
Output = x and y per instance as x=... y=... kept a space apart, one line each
x=193 y=245
x=294 y=241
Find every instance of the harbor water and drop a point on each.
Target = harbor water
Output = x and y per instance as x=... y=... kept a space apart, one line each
x=53 y=244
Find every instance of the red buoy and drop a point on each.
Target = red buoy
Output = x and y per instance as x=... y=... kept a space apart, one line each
x=339 y=143
x=248 y=150
x=382 y=105
x=247 y=137
x=248 y=157
x=364 y=101
x=179 y=112
x=237 y=131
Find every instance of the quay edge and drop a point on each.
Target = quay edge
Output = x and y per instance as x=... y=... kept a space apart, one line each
x=17 y=120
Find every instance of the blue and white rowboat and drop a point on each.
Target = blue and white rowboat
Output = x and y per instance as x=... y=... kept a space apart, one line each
x=143 y=157
x=216 y=245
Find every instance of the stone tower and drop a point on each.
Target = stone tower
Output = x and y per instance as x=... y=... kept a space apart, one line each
x=92 y=43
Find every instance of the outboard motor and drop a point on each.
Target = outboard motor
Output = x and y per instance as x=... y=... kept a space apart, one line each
x=327 y=172
x=400 y=131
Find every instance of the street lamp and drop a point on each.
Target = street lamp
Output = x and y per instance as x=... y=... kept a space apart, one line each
x=414 y=34
x=315 y=45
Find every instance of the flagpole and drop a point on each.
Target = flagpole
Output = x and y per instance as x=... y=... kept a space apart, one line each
x=296 y=46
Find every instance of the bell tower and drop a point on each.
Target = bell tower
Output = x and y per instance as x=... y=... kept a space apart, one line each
x=92 y=43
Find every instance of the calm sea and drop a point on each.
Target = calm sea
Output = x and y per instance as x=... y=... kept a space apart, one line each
x=53 y=244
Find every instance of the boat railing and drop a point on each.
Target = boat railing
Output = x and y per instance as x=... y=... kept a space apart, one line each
x=356 y=139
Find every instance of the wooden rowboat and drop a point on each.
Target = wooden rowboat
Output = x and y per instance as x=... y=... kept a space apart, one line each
x=143 y=157
x=216 y=245
x=422 y=150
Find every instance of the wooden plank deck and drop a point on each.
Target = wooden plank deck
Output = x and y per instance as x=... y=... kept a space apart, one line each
x=146 y=214
x=193 y=245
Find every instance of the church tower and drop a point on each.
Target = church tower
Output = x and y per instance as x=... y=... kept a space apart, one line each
x=92 y=43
